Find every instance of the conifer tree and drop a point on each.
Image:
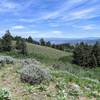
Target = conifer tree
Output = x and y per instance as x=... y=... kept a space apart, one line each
x=30 y=40
x=96 y=52
x=18 y=44
x=7 y=41
x=93 y=61
x=84 y=56
x=42 y=42
x=23 y=48
x=48 y=44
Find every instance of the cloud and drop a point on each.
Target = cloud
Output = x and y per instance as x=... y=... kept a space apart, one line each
x=86 y=27
x=28 y=20
x=17 y=27
x=67 y=11
x=7 y=6
x=86 y=13
x=82 y=13
x=15 y=7
x=53 y=15
x=71 y=10
x=67 y=5
x=39 y=34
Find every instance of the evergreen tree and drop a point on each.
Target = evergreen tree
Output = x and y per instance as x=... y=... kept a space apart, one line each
x=96 y=52
x=92 y=61
x=0 y=44
x=18 y=44
x=78 y=54
x=53 y=46
x=23 y=48
x=17 y=38
x=7 y=41
x=30 y=40
x=82 y=55
x=48 y=44
x=42 y=42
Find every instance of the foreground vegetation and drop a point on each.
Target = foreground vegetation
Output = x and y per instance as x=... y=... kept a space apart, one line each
x=74 y=83
x=52 y=71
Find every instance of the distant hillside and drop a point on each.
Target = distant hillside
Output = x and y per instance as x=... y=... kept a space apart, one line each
x=46 y=54
x=90 y=40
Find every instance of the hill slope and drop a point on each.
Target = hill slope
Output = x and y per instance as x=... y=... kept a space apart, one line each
x=46 y=54
x=72 y=82
x=46 y=51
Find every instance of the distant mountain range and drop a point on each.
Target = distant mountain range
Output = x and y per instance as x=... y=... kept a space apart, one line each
x=89 y=40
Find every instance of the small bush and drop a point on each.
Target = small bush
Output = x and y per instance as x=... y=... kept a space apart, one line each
x=30 y=61
x=6 y=60
x=33 y=74
x=4 y=94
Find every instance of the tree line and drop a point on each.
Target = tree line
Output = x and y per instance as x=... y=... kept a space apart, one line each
x=21 y=47
x=87 y=55
x=83 y=54
x=7 y=45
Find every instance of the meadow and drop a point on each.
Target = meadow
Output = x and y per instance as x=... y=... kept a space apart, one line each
x=69 y=81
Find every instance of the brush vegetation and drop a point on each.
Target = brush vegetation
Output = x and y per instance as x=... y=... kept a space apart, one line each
x=52 y=71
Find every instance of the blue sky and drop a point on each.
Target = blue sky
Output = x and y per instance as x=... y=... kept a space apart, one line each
x=51 y=18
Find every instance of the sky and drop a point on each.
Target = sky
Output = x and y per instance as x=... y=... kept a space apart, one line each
x=50 y=18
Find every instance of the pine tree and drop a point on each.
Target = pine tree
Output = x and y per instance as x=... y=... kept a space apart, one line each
x=18 y=44
x=30 y=40
x=21 y=46
x=23 y=49
x=92 y=61
x=82 y=55
x=96 y=52
x=0 y=44
x=7 y=41
x=42 y=42
x=48 y=44
x=78 y=54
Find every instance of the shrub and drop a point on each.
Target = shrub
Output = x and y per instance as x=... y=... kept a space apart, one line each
x=6 y=60
x=33 y=74
x=30 y=61
x=4 y=94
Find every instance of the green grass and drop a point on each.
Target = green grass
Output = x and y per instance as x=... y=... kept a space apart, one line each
x=66 y=73
x=44 y=54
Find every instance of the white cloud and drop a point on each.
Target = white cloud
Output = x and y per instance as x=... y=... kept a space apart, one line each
x=19 y=27
x=82 y=13
x=66 y=12
x=8 y=6
x=61 y=10
x=54 y=33
x=11 y=6
x=86 y=27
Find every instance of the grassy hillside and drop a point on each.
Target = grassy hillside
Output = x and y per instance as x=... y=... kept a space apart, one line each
x=46 y=54
x=46 y=51
x=69 y=81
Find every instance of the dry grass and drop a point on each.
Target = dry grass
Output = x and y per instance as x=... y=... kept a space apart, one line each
x=50 y=52
x=10 y=79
